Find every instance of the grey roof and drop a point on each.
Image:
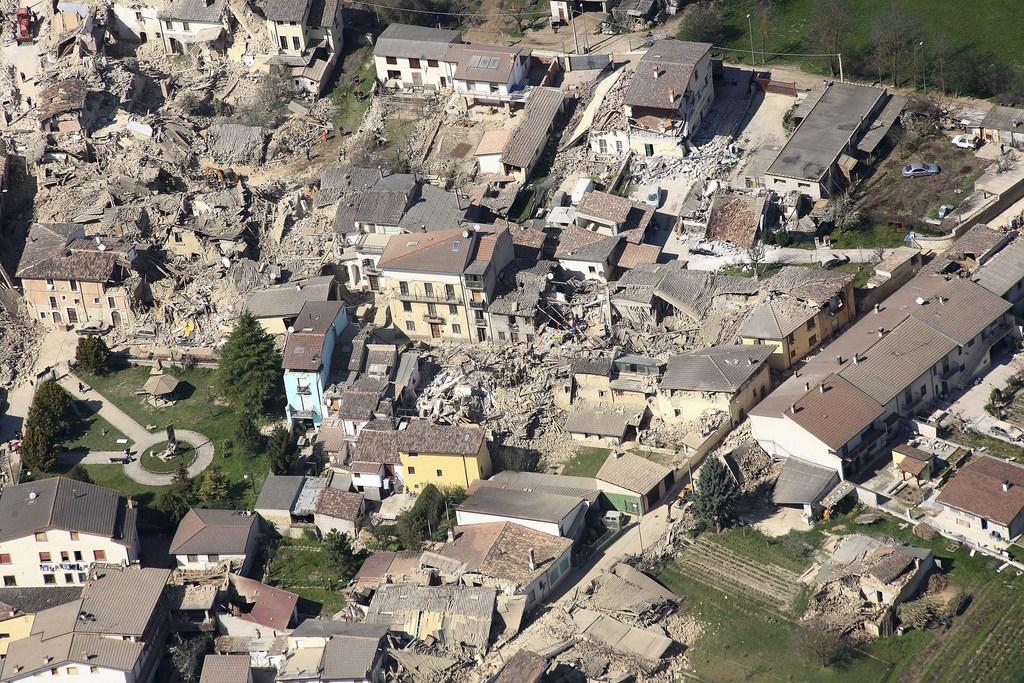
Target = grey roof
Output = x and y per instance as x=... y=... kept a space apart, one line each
x=453 y=615
x=809 y=284
x=1004 y=271
x=350 y=657
x=195 y=10
x=122 y=601
x=61 y=503
x=1004 y=118
x=404 y=40
x=775 y=319
x=226 y=669
x=279 y=492
x=802 y=483
x=882 y=124
x=600 y=250
x=325 y=628
x=531 y=135
x=285 y=10
x=202 y=531
x=322 y=12
x=435 y=209
x=601 y=366
x=720 y=368
x=663 y=74
x=32 y=600
x=287 y=299
x=339 y=181
x=823 y=135
x=585 y=420
x=305 y=503
x=837 y=414
x=562 y=485
x=532 y=505
x=317 y=317
x=632 y=472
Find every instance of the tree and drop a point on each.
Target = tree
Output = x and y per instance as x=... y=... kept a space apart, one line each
x=174 y=506
x=820 y=645
x=214 y=489
x=830 y=23
x=249 y=375
x=921 y=614
x=842 y=212
x=420 y=521
x=182 y=480
x=79 y=473
x=756 y=254
x=765 y=24
x=339 y=550
x=248 y=437
x=186 y=656
x=92 y=354
x=280 y=451
x=716 y=494
x=44 y=425
x=702 y=23
x=519 y=16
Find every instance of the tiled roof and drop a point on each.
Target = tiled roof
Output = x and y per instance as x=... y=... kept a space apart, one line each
x=61 y=503
x=202 y=531
x=266 y=605
x=422 y=42
x=339 y=504
x=816 y=285
x=663 y=74
x=1004 y=271
x=226 y=669
x=484 y=63
x=836 y=415
x=284 y=10
x=502 y=550
x=531 y=135
x=303 y=351
x=720 y=368
x=287 y=299
x=204 y=11
x=317 y=317
x=776 y=319
x=350 y=657
x=978 y=488
x=453 y=615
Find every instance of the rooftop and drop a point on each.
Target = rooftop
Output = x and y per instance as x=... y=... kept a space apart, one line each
x=501 y=550
x=405 y=40
x=221 y=532
x=824 y=133
x=632 y=472
x=663 y=74
x=977 y=487
x=226 y=669
x=529 y=505
x=588 y=420
x=279 y=492
x=262 y=604
x=531 y=135
x=837 y=413
x=720 y=368
x=61 y=503
x=286 y=300
x=452 y=615
x=339 y=504
x=485 y=63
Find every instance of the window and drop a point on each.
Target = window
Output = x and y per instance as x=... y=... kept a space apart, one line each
x=810 y=324
x=72 y=671
x=403 y=287
x=440 y=473
x=96 y=300
x=296 y=43
x=49 y=579
x=407 y=307
x=602 y=146
x=412 y=470
x=592 y=269
x=213 y=558
x=168 y=24
x=99 y=555
x=5 y=636
x=908 y=395
x=10 y=581
x=64 y=557
x=449 y=291
x=53 y=302
x=192 y=558
x=44 y=557
x=432 y=63
x=414 y=63
x=413 y=454
x=69 y=578
x=41 y=537
x=432 y=310
x=456 y=329
x=501 y=336
x=620 y=146
x=453 y=309
x=74 y=535
x=184 y=26
x=391 y=60
x=813 y=341
x=410 y=326
x=5 y=558
x=924 y=391
x=428 y=287
x=284 y=42
x=78 y=556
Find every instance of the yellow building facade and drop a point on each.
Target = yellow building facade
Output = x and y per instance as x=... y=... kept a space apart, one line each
x=12 y=629
x=445 y=470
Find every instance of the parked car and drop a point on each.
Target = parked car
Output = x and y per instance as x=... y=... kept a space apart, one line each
x=834 y=261
x=701 y=251
x=919 y=169
x=1000 y=432
x=652 y=195
x=965 y=141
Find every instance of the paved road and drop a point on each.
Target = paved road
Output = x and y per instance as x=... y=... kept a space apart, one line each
x=971 y=404
x=141 y=439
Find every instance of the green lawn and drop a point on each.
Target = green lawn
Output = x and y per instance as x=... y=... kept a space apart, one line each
x=152 y=461
x=870 y=237
x=993 y=446
x=197 y=409
x=990 y=30
x=792 y=551
x=90 y=431
x=309 y=573
x=586 y=462
x=346 y=95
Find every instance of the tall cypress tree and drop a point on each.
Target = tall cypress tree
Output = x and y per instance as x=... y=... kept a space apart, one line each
x=250 y=376
x=716 y=494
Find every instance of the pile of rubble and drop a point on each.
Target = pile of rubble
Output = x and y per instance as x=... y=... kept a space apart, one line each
x=19 y=346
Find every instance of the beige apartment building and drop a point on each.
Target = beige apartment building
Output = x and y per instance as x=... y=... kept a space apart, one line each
x=70 y=280
x=442 y=282
x=52 y=532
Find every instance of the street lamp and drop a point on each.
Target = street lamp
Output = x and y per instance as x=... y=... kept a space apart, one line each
x=924 y=75
x=251 y=484
x=750 y=27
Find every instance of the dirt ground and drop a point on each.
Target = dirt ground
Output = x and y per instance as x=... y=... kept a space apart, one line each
x=888 y=196
x=764 y=130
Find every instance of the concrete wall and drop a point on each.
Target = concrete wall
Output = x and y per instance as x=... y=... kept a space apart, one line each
x=467 y=518
x=25 y=570
x=93 y=301
x=429 y=74
x=683 y=406
x=445 y=470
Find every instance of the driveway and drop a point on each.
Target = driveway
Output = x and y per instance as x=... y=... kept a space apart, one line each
x=971 y=404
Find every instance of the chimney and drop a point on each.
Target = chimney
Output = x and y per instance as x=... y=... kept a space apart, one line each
x=656 y=72
x=839 y=359
x=877 y=308
x=1006 y=485
x=881 y=332
x=821 y=388
x=792 y=408
x=807 y=386
x=529 y=554
x=856 y=358
x=671 y=95
x=942 y=299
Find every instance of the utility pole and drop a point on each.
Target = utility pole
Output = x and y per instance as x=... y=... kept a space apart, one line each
x=572 y=22
x=750 y=27
x=586 y=40
x=841 y=79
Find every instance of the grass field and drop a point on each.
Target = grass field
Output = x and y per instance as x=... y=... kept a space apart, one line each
x=992 y=445
x=346 y=95
x=745 y=640
x=300 y=567
x=586 y=462
x=154 y=463
x=197 y=409
x=990 y=28
x=90 y=431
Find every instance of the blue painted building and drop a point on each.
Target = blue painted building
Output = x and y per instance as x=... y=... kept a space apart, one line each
x=308 y=350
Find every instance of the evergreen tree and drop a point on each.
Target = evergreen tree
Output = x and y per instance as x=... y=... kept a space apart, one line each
x=182 y=481
x=280 y=451
x=214 y=489
x=44 y=425
x=92 y=354
x=716 y=494
x=79 y=473
x=339 y=550
x=249 y=375
x=248 y=437
x=38 y=451
x=174 y=506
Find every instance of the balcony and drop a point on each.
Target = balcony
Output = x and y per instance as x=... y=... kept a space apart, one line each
x=480 y=322
x=51 y=567
x=433 y=319
x=429 y=298
x=477 y=305
x=474 y=282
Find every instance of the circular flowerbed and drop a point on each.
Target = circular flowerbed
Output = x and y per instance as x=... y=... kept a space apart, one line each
x=152 y=461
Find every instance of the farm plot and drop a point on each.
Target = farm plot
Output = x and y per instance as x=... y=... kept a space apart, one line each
x=771 y=585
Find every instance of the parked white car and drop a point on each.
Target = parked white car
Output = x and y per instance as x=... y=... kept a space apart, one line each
x=965 y=142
